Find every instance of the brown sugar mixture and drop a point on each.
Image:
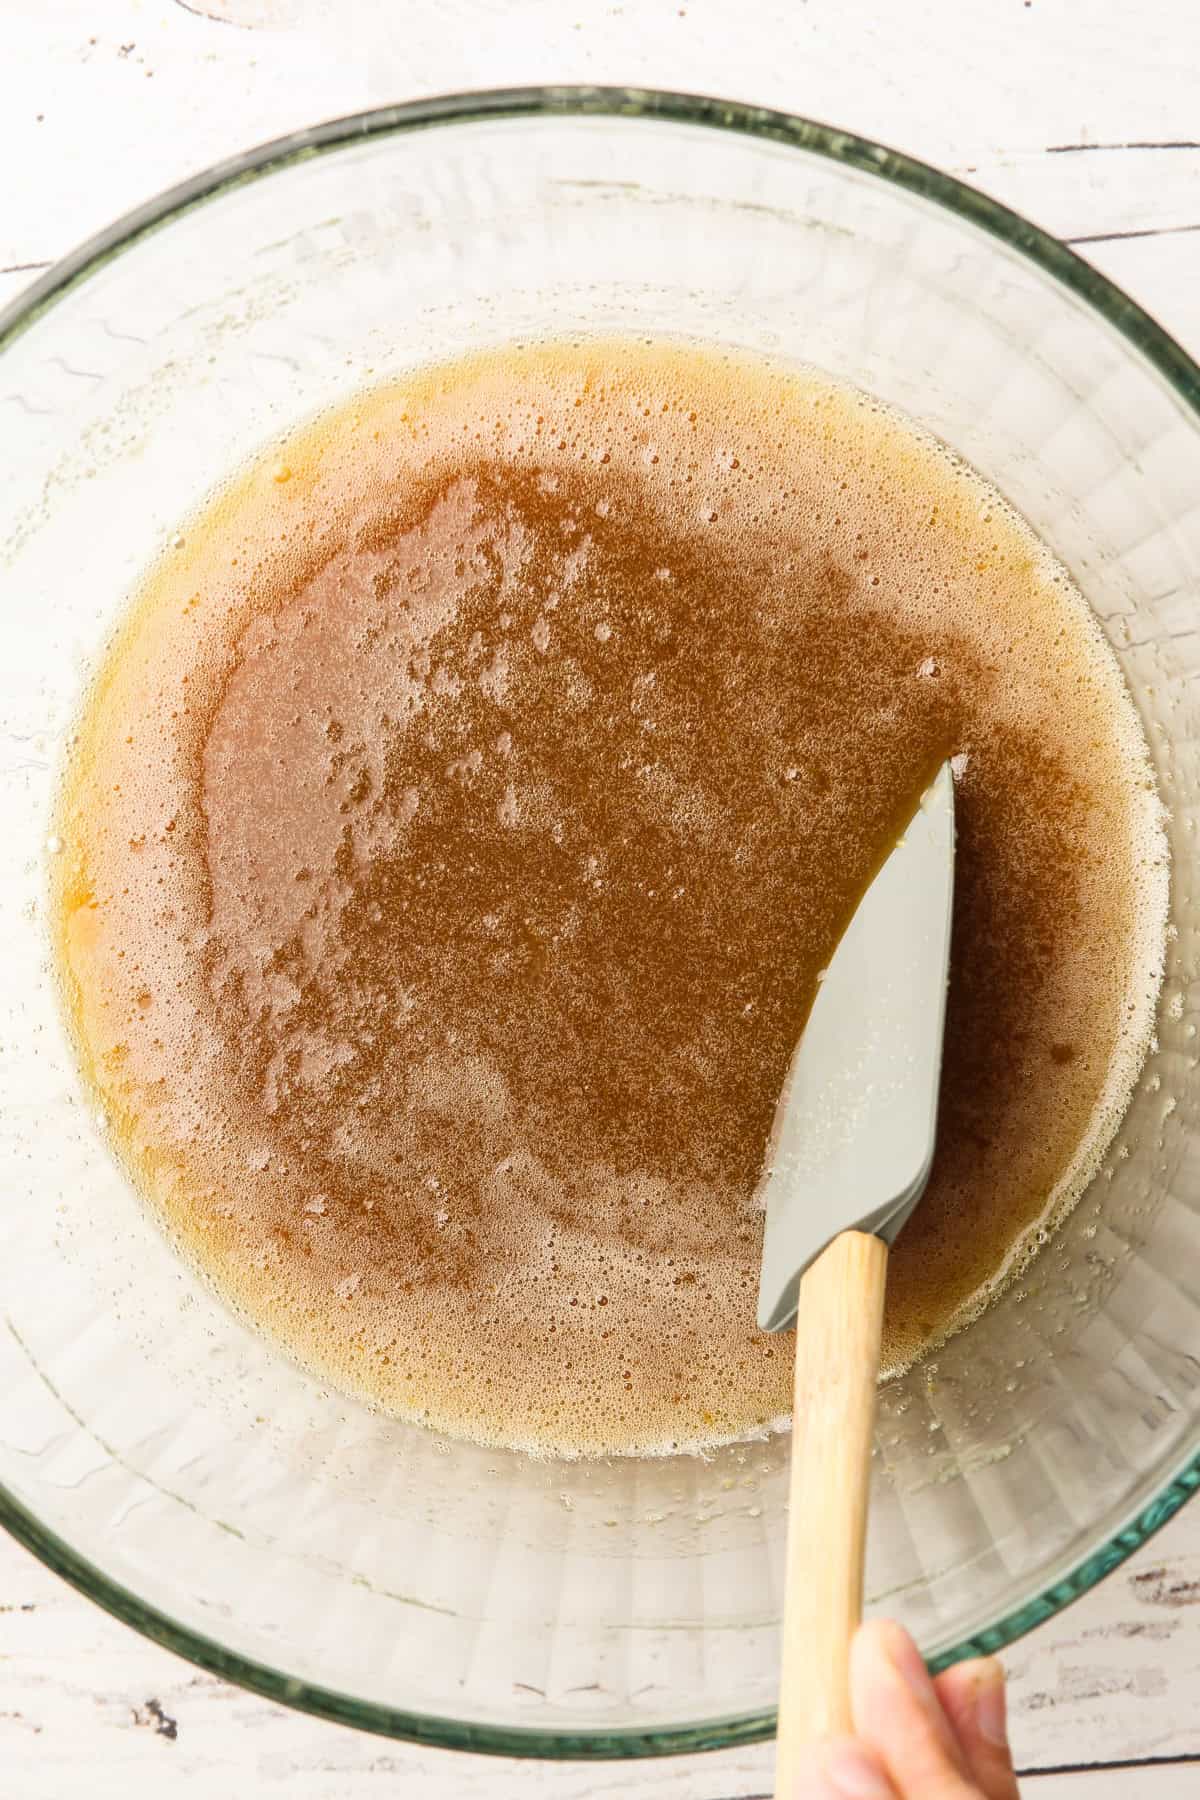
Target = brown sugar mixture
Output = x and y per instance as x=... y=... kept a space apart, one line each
x=459 y=821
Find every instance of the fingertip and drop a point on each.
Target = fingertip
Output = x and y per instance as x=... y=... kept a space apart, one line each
x=883 y=1646
x=970 y=1676
x=991 y=1702
x=974 y=1698
x=875 y=1638
x=974 y=1694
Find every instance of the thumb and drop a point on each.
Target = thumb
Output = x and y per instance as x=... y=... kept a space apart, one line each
x=840 y=1769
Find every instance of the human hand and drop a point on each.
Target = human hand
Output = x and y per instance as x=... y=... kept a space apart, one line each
x=917 y=1738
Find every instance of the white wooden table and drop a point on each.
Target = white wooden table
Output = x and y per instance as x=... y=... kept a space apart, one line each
x=1084 y=116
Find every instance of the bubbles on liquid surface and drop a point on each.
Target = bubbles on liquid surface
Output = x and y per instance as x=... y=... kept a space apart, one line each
x=477 y=861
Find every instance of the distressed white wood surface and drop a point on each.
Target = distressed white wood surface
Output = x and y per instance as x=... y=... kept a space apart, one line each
x=88 y=1708
x=1085 y=117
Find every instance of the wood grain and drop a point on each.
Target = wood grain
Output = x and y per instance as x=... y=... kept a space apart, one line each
x=103 y=105
x=838 y=1329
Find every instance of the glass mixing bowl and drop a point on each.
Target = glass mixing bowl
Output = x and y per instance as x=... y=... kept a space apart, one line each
x=173 y=1465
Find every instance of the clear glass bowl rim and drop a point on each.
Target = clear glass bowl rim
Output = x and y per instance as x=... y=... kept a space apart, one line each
x=1147 y=338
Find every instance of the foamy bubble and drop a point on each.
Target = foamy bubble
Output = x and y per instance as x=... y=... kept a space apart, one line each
x=502 y=1036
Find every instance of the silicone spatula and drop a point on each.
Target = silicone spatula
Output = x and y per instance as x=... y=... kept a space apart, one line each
x=848 y=1160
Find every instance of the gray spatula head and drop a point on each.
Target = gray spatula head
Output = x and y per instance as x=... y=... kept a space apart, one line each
x=854 y=1130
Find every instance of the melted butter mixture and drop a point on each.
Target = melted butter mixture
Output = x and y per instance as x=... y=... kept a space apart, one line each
x=458 y=824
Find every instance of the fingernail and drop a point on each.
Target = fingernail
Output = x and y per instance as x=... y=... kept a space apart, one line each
x=907 y=1662
x=991 y=1704
x=850 y=1772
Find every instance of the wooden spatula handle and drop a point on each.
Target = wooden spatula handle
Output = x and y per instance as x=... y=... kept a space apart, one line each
x=837 y=1366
